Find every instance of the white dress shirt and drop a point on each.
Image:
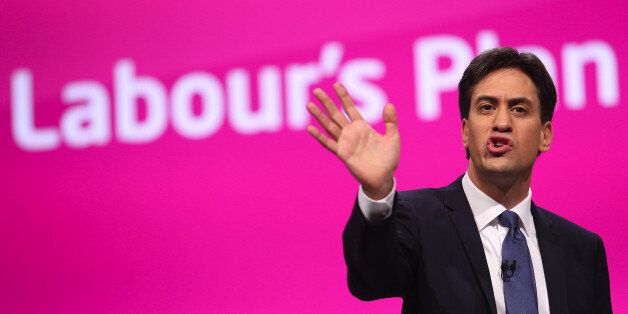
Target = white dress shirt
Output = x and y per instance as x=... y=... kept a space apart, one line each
x=485 y=212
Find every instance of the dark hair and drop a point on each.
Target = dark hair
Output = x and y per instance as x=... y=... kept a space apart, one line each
x=505 y=58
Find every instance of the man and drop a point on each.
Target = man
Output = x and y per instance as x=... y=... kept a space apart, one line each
x=479 y=245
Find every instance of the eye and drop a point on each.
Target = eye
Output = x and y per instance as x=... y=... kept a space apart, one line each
x=519 y=109
x=486 y=107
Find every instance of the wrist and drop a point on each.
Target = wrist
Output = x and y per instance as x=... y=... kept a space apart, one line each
x=380 y=191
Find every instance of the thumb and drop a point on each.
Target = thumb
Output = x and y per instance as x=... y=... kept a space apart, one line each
x=390 y=118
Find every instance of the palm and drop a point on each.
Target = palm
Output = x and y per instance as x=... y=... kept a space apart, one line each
x=370 y=157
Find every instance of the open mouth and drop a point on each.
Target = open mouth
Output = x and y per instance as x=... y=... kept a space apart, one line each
x=499 y=145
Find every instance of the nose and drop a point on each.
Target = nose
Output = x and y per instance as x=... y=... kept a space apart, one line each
x=502 y=122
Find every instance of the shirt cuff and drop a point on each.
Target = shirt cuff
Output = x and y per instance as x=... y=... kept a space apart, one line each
x=376 y=211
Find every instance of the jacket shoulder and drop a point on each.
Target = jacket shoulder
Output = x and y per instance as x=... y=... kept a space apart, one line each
x=418 y=195
x=425 y=202
x=568 y=229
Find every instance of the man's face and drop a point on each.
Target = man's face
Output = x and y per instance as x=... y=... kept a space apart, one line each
x=503 y=132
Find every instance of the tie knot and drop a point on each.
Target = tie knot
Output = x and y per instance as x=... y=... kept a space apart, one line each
x=509 y=219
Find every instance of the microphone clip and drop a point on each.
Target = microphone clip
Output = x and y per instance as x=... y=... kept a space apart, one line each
x=508 y=269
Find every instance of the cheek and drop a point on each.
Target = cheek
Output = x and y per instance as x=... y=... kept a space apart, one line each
x=477 y=135
x=532 y=140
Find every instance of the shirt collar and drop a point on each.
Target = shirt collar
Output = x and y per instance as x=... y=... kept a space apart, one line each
x=485 y=209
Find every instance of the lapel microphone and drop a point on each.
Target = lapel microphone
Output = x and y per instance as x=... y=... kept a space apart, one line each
x=508 y=269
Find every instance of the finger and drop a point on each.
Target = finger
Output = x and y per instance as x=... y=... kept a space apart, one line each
x=324 y=140
x=390 y=119
x=330 y=127
x=347 y=102
x=331 y=108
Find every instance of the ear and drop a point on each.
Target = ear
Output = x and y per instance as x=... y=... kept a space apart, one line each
x=546 y=137
x=465 y=133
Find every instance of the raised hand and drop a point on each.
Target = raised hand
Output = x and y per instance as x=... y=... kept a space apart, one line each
x=370 y=157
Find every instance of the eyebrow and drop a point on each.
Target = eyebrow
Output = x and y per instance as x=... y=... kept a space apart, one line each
x=511 y=102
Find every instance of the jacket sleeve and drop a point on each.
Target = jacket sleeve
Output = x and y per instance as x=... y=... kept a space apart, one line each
x=381 y=259
x=602 y=284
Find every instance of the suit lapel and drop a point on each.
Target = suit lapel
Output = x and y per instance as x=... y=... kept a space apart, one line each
x=553 y=263
x=462 y=218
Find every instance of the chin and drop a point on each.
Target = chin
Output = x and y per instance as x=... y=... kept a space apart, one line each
x=499 y=166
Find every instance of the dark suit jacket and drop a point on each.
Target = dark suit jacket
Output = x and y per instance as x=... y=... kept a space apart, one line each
x=429 y=253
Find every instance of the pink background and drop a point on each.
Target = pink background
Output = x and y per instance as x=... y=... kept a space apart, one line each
x=237 y=223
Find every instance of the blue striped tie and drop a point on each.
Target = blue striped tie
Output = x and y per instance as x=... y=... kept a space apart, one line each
x=517 y=271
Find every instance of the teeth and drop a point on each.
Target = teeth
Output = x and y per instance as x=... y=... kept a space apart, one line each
x=499 y=144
